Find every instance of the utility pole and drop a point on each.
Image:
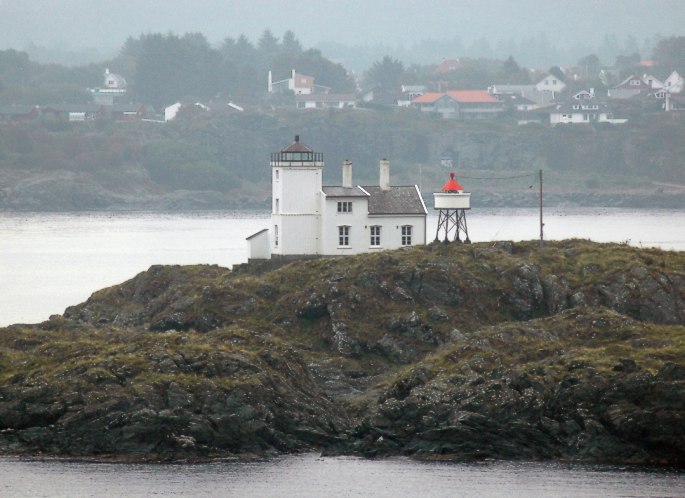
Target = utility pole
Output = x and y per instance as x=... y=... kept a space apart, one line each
x=541 y=223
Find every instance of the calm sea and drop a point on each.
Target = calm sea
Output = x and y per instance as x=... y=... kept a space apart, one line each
x=51 y=261
x=312 y=476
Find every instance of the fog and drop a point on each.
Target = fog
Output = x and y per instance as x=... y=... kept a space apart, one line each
x=78 y=25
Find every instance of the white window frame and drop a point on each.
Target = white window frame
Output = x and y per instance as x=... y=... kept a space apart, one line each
x=344 y=206
x=375 y=236
x=407 y=232
x=344 y=235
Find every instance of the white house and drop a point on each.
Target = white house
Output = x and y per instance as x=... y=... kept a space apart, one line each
x=299 y=84
x=550 y=83
x=114 y=88
x=583 y=108
x=309 y=219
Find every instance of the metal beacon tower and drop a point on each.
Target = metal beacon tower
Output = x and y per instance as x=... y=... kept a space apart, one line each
x=452 y=203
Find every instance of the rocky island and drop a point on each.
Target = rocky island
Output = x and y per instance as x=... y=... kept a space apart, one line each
x=572 y=352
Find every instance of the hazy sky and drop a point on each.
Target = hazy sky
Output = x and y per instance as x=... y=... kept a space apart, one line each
x=78 y=24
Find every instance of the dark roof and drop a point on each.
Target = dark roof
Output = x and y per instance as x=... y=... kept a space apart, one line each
x=296 y=146
x=583 y=106
x=396 y=200
x=17 y=110
x=344 y=192
x=74 y=108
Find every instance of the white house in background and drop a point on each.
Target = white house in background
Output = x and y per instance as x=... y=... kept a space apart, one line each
x=550 y=83
x=541 y=93
x=299 y=84
x=583 y=108
x=308 y=219
x=326 y=101
x=113 y=89
x=171 y=111
x=674 y=83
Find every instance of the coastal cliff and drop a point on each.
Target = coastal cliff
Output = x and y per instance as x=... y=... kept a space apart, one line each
x=575 y=352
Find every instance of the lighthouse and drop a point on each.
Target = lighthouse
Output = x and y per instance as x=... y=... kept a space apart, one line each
x=452 y=203
x=296 y=173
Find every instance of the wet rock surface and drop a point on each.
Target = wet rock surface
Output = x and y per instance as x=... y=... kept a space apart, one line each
x=473 y=351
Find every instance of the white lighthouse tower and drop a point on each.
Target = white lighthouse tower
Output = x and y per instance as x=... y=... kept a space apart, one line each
x=452 y=203
x=296 y=173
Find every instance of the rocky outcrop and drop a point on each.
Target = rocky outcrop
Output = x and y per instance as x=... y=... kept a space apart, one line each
x=556 y=395
x=461 y=351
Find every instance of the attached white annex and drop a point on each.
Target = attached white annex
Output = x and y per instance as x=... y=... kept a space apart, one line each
x=308 y=219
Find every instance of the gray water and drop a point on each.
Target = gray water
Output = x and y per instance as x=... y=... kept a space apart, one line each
x=49 y=261
x=312 y=476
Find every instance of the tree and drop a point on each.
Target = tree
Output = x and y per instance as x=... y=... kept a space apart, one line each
x=169 y=68
x=670 y=53
x=290 y=45
x=268 y=44
x=387 y=73
x=557 y=72
x=512 y=73
x=590 y=66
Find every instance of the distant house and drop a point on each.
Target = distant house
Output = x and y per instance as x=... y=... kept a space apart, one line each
x=326 y=101
x=630 y=87
x=18 y=113
x=113 y=89
x=542 y=93
x=674 y=83
x=583 y=108
x=74 y=113
x=447 y=66
x=550 y=83
x=409 y=93
x=459 y=104
x=299 y=84
x=127 y=112
x=171 y=111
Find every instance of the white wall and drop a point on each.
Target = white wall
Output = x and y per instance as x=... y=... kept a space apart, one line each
x=296 y=191
x=360 y=228
x=259 y=246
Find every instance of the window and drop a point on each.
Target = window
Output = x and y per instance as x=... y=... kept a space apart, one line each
x=343 y=236
x=406 y=235
x=345 y=207
x=278 y=206
x=277 y=174
x=375 y=236
x=276 y=235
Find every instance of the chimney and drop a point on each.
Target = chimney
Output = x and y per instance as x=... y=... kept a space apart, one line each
x=347 y=174
x=385 y=174
x=270 y=83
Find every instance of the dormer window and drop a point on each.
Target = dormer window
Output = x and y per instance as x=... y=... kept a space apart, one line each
x=635 y=82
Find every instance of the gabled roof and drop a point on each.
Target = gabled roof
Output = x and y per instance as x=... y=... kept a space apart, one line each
x=472 y=96
x=344 y=192
x=395 y=200
x=582 y=107
x=428 y=98
x=626 y=83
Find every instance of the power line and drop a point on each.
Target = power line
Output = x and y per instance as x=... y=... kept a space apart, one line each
x=497 y=178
